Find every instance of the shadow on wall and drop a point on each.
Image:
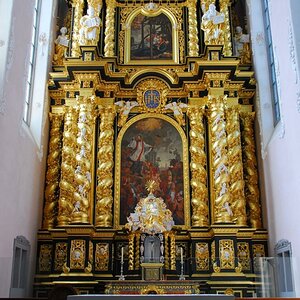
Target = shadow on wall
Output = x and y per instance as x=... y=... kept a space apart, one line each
x=60 y=292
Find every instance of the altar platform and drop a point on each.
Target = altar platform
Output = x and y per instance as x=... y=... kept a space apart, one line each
x=164 y=297
x=153 y=287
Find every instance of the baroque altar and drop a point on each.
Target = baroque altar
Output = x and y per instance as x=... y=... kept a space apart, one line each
x=162 y=91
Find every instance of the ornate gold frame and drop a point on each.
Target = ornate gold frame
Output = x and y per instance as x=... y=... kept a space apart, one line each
x=184 y=159
x=154 y=13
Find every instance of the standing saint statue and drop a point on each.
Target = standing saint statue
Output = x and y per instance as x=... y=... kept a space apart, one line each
x=89 y=28
x=61 y=47
x=212 y=24
x=242 y=45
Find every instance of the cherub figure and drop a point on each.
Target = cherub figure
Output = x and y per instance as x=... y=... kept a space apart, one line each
x=177 y=110
x=125 y=108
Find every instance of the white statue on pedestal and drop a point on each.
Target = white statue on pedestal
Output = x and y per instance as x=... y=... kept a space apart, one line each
x=90 y=27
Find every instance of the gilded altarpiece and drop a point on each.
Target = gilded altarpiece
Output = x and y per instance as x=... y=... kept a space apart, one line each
x=147 y=104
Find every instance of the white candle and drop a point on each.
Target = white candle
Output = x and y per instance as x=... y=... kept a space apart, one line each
x=181 y=254
x=122 y=255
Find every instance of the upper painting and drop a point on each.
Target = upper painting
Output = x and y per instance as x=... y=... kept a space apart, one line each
x=151 y=38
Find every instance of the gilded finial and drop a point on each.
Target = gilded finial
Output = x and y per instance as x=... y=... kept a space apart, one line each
x=151 y=186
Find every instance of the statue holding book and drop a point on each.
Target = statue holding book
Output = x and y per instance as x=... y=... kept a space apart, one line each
x=89 y=28
x=212 y=24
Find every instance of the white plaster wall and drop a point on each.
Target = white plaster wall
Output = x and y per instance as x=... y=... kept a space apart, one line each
x=22 y=148
x=281 y=145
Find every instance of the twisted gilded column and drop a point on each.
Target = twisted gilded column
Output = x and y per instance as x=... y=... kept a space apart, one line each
x=167 y=254
x=77 y=6
x=53 y=170
x=137 y=250
x=235 y=163
x=250 y=169
x=109 y=40
x=198 y=168
x=193 y=30
x=105 y=166
x=84 y=157
x=224 y=8
x=220 y=179
x=172 y=251
x=131 y=251
x=68 y=164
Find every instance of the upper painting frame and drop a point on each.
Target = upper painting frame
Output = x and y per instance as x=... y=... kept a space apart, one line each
x=164 y=44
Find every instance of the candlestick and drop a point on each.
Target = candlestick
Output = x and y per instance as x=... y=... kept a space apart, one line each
x=181 y=277
x=181 y=254
x=121 y=276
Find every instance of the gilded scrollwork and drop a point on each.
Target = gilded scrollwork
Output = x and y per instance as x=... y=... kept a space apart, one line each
x=202 y=256
x=227 y=257
x=243 y=255
x=198 y=168
x=45 y=258
x=53 y=170
x=83 y=172
x=102 y=257
x=60 y=255
x=77 y=254
x=250 y=170
x=68 y=164
x=109 y=43
x=219 y=161
x=235 y=163
x=105 y=165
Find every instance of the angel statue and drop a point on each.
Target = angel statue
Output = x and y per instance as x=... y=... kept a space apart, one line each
x=177 y=110
x=125 y=108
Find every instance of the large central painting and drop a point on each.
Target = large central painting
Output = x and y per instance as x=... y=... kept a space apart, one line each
x=151 y=148
x=151 y=37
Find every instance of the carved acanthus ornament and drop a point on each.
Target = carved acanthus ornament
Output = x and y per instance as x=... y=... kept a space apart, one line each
x=109 y=47
x=53 y=170
x=235 y=163
x=78 y=12
x=68 y=165
x=193 y=30
x=198 y=168
x=105 y=165
x=84 y=157
x=250 y=169
x=219 y=161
